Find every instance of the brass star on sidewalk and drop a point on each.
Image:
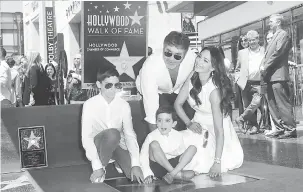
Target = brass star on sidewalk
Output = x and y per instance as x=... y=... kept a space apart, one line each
x=124 y=63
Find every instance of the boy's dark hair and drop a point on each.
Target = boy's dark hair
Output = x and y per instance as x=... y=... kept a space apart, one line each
x=168 y=110
x=109 y=72
x=177 y=39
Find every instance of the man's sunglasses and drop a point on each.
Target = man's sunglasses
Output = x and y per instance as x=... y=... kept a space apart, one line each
x=205 y=141
x=169 y=54
x=110 y=85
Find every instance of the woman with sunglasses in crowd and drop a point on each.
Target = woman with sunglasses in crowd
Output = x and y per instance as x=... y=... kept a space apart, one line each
x=163 y=74
x=208 y=90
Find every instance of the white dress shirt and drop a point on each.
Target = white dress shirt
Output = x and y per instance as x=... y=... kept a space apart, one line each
x=154 y=79
x=254 y=62
x=98 y=115
x=172 y=145
x=5 y=81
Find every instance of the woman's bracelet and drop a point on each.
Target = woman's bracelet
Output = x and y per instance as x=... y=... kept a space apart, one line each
x=217 y=160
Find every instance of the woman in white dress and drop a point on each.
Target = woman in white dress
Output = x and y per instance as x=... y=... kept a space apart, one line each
x=209 y=92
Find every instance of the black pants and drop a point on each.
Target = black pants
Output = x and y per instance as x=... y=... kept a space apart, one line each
x=169 y=99
x=280 y=105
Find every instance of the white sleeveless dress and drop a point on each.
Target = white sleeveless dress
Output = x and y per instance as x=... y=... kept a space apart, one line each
x=232 y=155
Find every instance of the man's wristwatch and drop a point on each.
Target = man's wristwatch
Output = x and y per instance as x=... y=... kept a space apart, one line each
x=217 y=161
x=189 y=124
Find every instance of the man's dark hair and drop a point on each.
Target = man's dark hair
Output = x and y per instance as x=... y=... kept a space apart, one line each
x=10 y=61
x=150 y=51
x=108 y=72
x=177 y=39
x=168 y=110
x=3 y=52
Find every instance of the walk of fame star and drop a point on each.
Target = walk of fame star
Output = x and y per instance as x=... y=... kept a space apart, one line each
x=124 y=63
x=136 y=18
x=32 y=140
x=127 y=5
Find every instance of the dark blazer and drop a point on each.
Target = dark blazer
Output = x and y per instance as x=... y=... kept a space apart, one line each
x=275 y=61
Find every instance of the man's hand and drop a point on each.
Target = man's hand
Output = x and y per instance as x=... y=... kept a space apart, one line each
x=74 y=81
x=97 y=175
x=195 y=127
x=152 y=127
x=137 y=173
x=75 y=75
x=148 y=179
x=262 y=71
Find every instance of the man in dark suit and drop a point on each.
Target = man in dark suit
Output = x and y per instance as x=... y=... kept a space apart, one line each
x=275 y=72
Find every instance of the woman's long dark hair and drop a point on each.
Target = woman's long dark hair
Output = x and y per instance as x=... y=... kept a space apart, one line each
x=239 y=44
x=219 y=78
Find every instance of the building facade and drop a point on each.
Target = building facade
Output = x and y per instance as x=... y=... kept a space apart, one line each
x=67 y=21
x=11 y=27
x=227 y=21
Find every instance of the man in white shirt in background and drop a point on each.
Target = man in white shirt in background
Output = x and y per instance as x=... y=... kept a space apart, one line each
x=5 y=80
x=107 y=130
x=249 y=61
x=163 y=74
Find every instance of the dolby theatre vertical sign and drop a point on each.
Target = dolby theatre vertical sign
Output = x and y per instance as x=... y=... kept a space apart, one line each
x=115 y=34
x=50 y=47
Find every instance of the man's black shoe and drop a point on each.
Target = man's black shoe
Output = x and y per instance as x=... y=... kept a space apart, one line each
x=288 y=134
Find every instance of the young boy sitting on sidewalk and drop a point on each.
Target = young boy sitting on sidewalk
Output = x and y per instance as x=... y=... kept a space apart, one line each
x=166 y=149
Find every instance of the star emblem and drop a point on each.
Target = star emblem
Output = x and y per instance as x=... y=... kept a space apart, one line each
x=32 y=140
x=107 y=11
x=136 y=18
x=96 y=6
x=116 y=9
x=124 y=63
x=127 y=5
